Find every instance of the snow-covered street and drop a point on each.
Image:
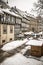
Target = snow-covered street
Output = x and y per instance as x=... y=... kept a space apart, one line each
x=19 y=59
x=19 y=54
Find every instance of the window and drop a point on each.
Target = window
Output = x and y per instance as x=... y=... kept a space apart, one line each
x=18 y=21
x=7 y=17
x=3 y=41
x=33 y=29
x=4 y=29
x=0 y=17
x=0 y=29
x=10 y=18
x=11 y=29
x=10 y=39
x=4 y=17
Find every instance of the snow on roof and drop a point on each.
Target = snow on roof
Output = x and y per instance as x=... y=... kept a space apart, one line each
x=27 y=33
x=13 y=45
x=34 y=42
x=22 y=13
x=40 y=39
x=1 y=12
x=40 y=33
x=9 y=12
x=19 y=59
x=30 y=15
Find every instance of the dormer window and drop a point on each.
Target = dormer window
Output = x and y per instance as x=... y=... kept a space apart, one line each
x=7 y=17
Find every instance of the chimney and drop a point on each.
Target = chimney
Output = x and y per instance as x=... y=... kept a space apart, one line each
x=25 y=11
x=7 y=1
x=15 y=7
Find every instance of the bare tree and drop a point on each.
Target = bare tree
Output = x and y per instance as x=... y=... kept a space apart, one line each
x=39 y=7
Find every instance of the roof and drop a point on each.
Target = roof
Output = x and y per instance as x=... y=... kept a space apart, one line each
x=14 y=44
x=10 y=12
x=34 y=42
x=21 y=13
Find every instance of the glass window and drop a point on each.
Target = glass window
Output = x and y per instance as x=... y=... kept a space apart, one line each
x=4 y=17
x=0 y=29
x=10 y=18
x=0 y=17
x=11 y=29
x=4 y=29
x=18 y=21
x=13 y=19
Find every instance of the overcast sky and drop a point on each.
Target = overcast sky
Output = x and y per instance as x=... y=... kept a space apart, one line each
x=25 y=5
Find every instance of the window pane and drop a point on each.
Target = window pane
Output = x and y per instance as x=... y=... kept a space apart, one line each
x=11 y=29
x=4 y=17
x=0 y=17
x=4 y=29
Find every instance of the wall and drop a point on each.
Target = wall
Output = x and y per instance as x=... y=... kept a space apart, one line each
x=7 y=36
x=36 y=50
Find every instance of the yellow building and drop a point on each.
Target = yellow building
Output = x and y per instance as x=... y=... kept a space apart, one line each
x=6 y=27
x=7 y=33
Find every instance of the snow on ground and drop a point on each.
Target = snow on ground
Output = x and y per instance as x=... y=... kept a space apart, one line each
x=13 y=45
x=41 y=58
x=28 y=47
x=23 y=51
x=34 y=42
x=19 y=59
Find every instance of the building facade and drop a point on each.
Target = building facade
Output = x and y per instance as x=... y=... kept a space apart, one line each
x=7 y=21
x=13 y=22
x=33 y=23
x=25 y=24
x=17 y=27
x=25 y=21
